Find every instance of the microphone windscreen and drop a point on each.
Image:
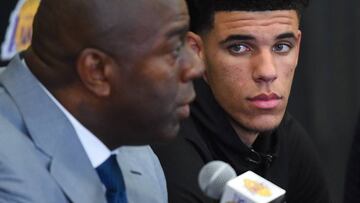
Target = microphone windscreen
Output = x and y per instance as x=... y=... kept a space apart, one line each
x=213 y=178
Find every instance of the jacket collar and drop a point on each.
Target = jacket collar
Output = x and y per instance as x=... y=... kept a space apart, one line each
x=53 y=134
x=213 y=124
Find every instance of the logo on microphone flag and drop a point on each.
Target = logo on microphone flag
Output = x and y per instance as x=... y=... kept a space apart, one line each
x=251 y=188
x=257 y=188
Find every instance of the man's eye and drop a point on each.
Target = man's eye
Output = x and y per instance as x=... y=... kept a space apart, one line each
x=176 y=52
x=239 y=49
x=282 y=48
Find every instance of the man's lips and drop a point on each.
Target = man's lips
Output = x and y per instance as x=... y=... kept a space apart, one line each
x=184 y=107
x=266 y=101
x=183 y=111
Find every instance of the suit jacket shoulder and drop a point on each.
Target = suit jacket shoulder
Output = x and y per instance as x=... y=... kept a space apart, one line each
x=44 y=145
x=143 y=175
x=17 y=152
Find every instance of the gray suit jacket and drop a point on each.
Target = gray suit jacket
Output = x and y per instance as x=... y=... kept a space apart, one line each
x=42 y=159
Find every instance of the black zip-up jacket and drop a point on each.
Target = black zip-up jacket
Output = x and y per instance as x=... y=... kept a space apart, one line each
x=284 y=156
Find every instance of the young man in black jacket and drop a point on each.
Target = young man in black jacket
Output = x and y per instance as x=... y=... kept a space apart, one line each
x=251 y=50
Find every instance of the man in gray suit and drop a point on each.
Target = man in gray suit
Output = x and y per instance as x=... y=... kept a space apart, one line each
x=98 y=75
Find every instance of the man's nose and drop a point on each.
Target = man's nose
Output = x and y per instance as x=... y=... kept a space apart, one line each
x=265 y=70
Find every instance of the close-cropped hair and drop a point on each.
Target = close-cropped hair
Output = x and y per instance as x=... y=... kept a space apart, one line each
x=202 y=11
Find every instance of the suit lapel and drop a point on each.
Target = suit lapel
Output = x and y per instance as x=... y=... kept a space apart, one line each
x=53 y=134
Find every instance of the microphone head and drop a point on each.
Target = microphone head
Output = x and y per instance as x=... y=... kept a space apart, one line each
x=213 y=178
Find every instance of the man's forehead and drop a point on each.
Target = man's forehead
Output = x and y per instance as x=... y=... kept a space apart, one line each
x=167 y=17
x=230 y=19
x=255 y=25
x=173 y=4
x=140 y=19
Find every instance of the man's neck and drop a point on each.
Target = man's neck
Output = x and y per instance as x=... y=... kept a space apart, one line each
x=246 y=136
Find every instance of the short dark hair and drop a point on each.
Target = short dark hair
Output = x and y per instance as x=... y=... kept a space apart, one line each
x=202 y=11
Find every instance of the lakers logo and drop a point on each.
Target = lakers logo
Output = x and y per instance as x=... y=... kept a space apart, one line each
x=257 y=188
x=19 y=31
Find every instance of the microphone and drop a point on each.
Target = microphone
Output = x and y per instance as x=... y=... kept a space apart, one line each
x=213 y=178
x=217 y=179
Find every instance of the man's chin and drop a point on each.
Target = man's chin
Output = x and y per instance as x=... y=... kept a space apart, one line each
x=169 y=133
x=261 y=124
x=267 y=122
x=264 y=126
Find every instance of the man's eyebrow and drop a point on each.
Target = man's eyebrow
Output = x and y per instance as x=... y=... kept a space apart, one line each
x=178 y=31
x=237 y=38
x=286 y=35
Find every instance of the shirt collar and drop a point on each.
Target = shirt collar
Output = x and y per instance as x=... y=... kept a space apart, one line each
x=96 y=150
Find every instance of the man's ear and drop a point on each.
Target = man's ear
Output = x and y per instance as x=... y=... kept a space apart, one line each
x=196 y=44
x=298 y=36
x=93 y=67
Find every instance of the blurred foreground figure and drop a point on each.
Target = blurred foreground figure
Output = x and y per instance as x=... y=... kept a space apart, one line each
x=98 y=75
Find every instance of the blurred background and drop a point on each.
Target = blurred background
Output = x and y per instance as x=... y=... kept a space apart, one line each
x=326 y=90
x=16 y=18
